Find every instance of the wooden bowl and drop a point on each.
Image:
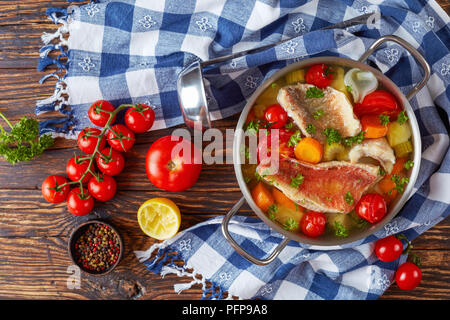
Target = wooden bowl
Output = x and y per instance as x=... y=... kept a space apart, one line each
x=76 y=233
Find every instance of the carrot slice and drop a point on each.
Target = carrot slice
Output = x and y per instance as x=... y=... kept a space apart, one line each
x=386 y=184
x=309 y=150
x=373 y=127
x=284 y=201
x=399 y=165
x=262 y=197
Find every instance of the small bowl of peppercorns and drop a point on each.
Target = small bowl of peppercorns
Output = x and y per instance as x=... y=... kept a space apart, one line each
x=96 y=247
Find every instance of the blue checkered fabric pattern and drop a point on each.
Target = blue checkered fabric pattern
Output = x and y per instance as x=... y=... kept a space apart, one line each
x=131 y=51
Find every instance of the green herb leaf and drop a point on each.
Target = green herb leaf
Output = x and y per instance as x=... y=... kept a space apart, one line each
x=399 y=183
x=384 y=119
x=294 y=139
x=252 y=127
x=340 y=229
x=381 y=171
x=349 y=88
x=290 y=224
x=271 y=211
x=409 y=164
x=318 y=114
x=402 y=117
x=297 y=180
x=289 y=126
x=348 y=198
x=332 y=135
x=311 y=129
x=350 y=141
x=314 y=92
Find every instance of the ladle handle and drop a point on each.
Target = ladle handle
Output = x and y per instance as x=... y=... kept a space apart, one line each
x=416 y=54
x=238 y=248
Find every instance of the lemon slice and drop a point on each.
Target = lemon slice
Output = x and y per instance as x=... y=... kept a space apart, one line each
x=159 y=218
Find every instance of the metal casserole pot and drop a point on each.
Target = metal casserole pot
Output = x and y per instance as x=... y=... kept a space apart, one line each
x=325 y=243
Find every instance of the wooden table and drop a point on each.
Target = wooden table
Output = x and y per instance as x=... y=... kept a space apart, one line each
x=34 y=234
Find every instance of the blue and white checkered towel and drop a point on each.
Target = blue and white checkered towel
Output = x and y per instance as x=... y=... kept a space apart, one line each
x=130 y=51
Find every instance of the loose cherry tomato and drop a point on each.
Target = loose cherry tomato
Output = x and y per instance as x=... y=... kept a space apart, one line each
x=52 y=191
x=80 y=203
x=76 y=168
x=371 y=207
x=120 y=138
x=265 y=146
x=100 y=118
x=102 y=188
x=376 y=103
x=319 y=75
x=408 y=276
x=313 y=223
x=88 y=139
x=388 y=249
x=140 y=118
x=110 y=161
x=169 y=165
x=276 y=115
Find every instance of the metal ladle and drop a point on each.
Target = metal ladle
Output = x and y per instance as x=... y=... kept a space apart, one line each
x=191 y=89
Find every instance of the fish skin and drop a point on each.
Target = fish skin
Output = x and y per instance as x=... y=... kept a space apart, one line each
x=378 y=149
x=324 y=185
x=337 y=111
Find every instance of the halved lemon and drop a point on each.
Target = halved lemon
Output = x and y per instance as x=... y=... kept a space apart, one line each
x=159 y=218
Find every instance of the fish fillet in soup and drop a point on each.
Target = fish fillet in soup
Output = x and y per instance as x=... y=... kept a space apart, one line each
x=333 y=110
x=333 y=187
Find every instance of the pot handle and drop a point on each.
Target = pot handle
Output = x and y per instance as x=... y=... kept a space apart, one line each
x=416 y=54
x=238 y=248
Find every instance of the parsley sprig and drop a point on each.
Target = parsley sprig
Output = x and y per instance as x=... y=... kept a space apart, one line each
x=402 y=117
x=314 y=92
x=340 y=229
x=22 y=142
x=290 y=224
x=297 y=180
x=294 y=139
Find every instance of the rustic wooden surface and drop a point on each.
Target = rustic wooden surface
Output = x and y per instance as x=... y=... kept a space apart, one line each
x=34 y=234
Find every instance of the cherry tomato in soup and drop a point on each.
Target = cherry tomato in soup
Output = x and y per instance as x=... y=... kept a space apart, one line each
x=88 y=139
x=110 y=161
x=120 y=138
x=376 y=103
x=76 y=167
x=80 y=202
x=173 y=163
x=52 y=191
x=408 y=276
x=102 y=188
x=319 y=75
x=371 y=207
x=265 y=145
x=276 y=116
x=98 y=117
x=313 y=223
x=388 y=249
x=140 y=118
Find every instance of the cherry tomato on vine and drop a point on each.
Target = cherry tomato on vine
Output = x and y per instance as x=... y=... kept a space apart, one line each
x=102 y=188
x=140 y=118
x=120 y=138
x=76 y=168
x=176 y=173
x=313 y=223
x=388 y=249
x=371 y=207
x=88 y=139
x=80 y=202
x=98 y=117
x=51 y=190
x=376 y=103
x=408 y=276
x=276 y=115
x=319 y=75
x=110 y=161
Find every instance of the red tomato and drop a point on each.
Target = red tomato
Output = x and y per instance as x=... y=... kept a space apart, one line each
x=276 y=115
x=388 y=249
x=100 y=118
x=376 y=103
x=110 y=161
x=140 y=118
x=264 y=145
x=120 y=138
x=408 y=276
x=52 y=191
x=88 y=139
x=371 y=207
x=319 y=75
x=168 y=166
x=313 y=223
x=76 y=168
x=79 y=203
x=104 y=188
